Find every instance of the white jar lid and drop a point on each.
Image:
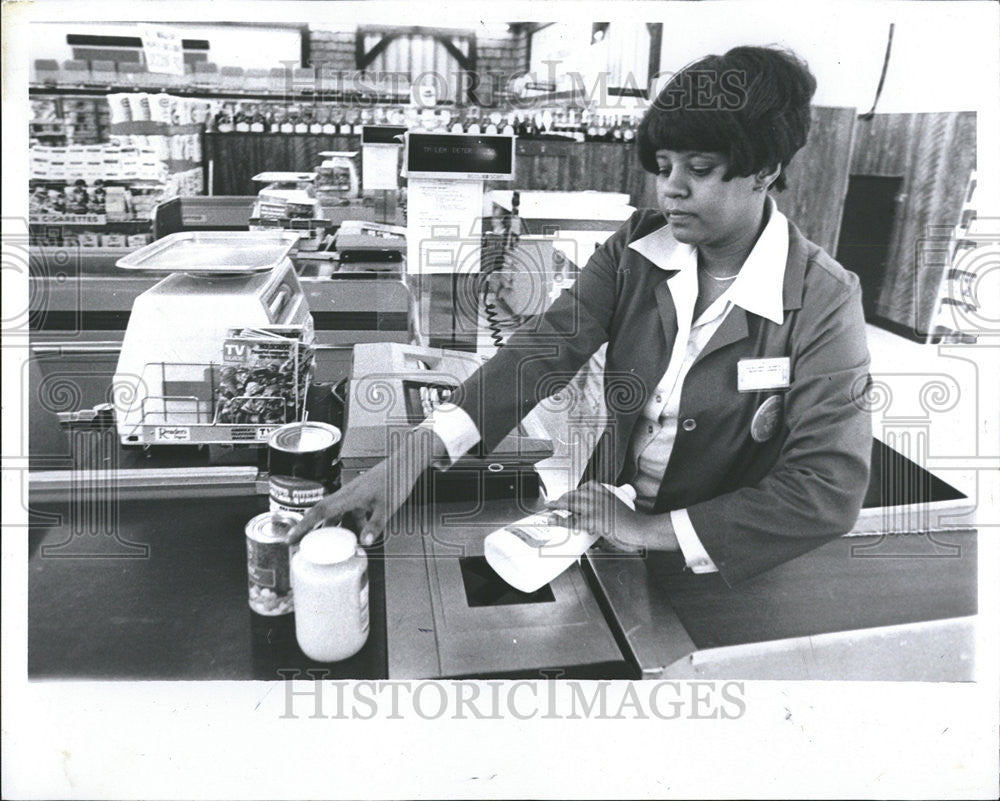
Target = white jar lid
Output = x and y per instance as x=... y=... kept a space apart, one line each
x=328 y=546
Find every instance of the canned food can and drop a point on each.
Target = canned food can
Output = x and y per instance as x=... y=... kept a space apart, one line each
x=303 y=467
x=296 y=495
x=268 y=562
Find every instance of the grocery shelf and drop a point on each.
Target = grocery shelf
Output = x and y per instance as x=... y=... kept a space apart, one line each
x=322 y=95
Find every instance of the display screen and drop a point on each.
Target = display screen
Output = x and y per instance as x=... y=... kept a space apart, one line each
x=460 y=156
x=424 y=398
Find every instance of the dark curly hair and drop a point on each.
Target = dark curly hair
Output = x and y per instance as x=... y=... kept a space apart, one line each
x=752 y=104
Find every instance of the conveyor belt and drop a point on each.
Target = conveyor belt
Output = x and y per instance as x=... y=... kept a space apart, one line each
x=161 y=593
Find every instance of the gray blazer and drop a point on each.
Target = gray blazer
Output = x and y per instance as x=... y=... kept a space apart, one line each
x=753 y=504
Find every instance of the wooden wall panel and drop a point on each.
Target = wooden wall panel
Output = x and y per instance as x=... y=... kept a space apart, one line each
x=237 y=157
x=561 y=166
x=642 y=184
x=935 y=155
x=609 y=165
x=817 y=177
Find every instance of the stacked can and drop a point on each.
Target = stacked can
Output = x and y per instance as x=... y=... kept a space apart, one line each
x=268 y=562
x=303 y=465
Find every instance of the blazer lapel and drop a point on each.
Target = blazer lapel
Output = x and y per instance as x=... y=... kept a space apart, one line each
x=668 y=313
x=733 y=329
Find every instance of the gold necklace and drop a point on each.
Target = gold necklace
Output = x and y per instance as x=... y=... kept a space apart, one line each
x=716 y=277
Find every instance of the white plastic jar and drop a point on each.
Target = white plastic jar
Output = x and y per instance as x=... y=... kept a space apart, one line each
x=330 y=584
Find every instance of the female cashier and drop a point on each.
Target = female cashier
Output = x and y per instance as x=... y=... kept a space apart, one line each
x=736 y=353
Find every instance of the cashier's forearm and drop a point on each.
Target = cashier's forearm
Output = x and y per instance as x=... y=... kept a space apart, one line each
x=415 y=450
x=653 y=532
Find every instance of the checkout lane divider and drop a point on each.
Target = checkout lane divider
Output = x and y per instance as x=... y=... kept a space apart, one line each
x=48 y=486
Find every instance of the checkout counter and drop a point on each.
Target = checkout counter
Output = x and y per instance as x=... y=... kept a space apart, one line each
x=137 y=564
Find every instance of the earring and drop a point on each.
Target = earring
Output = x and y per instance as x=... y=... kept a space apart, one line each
x=759 y=188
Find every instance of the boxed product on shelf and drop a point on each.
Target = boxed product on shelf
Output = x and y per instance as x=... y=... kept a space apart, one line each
x=93 y=163
x=77 y=198
x=158 y=108
x=144 y=205
x=75 y=164
x=44 y=110
x=38 y=162
x=56 y=164
x=118 y=203
x=112 y=161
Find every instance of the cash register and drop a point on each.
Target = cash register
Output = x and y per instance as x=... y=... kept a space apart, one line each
x=394 y=385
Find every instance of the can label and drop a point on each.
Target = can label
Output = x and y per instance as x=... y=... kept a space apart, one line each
x=267 y=565
x=268 y=577
x=290 y=494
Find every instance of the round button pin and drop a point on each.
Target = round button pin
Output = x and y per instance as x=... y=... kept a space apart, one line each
x=767 y=419
x=689 y=424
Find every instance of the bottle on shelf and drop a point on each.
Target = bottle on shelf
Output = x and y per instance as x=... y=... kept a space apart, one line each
x=346 y=124
x=325 y=118
x=537 y=123
x=547 y=121
x=224 y=119
x=628 y=130
x=241 y=120
x=602 y=128
x=315 y=126
x=475 y=124
x=277 y=120
x=258 y=121
x=531 y=125
x=426 y=120
x=301 y=124
x=395 y=116
x=336 y=119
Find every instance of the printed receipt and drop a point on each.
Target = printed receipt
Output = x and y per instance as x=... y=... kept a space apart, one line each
x=444 y=226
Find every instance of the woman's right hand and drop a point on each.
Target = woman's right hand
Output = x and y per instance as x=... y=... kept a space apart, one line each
x=375 y=495
x=366 y=498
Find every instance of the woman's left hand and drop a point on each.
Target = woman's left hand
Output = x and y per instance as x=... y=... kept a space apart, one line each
x=599 y=511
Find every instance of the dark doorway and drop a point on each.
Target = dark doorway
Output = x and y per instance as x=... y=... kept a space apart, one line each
x=865 y=231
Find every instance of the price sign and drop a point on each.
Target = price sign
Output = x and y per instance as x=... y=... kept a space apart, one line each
x=164 y=50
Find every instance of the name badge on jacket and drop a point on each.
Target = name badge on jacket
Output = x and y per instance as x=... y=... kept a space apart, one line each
x=755 y=375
